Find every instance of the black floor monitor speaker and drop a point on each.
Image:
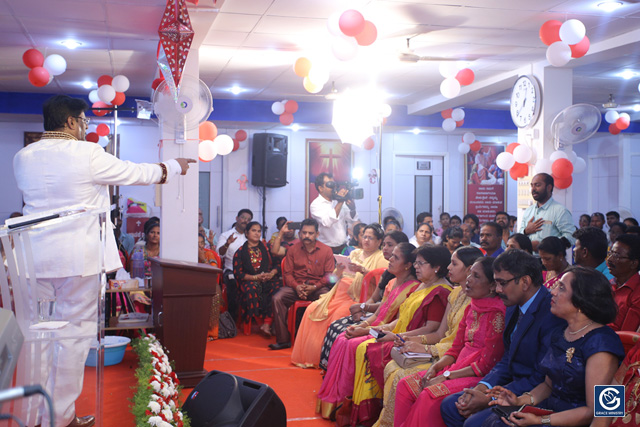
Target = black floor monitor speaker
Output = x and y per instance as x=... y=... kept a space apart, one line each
x=225 y=400
x=269 y=160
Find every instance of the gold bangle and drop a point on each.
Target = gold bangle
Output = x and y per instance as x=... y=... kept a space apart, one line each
x=164 y=173
x=423 y=339
x=530 y=397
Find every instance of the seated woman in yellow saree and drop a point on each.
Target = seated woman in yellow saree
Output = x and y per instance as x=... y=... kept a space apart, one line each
x=335 y=304
x=421 y=313
x=437 y=343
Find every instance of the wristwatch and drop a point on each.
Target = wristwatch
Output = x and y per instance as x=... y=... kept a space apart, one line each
x=362 y=306
x=446 y=374
x=545 y=420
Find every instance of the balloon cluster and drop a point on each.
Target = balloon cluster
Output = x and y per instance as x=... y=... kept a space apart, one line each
x=285 y=109
x=617 y=121
x=110 y=92
x=212 y=144
x=565 y=40
x=454 y=78
x=350 y=30
x=453 y=118
x=469 y=143
x=43 y=69
x=562 y=166
x=98 y=134
x=516 y=160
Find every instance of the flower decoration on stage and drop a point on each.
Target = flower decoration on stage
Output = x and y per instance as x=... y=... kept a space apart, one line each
x=285 y=109
x=617 y=121
x=453 y=118
x=454 y=78
x=565 y=40
x=43 y=69
x=176 y=35
x=156 y=401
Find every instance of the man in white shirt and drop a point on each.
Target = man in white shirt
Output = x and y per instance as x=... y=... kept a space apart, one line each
x=233 y=240
x=61 y=170
x=331 y=215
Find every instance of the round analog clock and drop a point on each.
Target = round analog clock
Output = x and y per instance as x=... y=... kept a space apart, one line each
x=526 y=99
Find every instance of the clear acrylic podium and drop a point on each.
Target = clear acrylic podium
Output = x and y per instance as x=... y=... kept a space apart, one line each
x=19 y=293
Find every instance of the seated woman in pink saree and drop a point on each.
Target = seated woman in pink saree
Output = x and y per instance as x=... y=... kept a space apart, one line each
x=335 y=304
x=338 y=381
x=476 y=349
x=420 y=314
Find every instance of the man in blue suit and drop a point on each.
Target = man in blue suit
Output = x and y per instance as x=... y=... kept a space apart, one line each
x=526 y=338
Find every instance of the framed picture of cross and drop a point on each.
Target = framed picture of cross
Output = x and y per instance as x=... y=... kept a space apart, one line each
x=325 y=155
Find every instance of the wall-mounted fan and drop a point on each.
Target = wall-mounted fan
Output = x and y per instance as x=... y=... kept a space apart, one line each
x=575 y=124
x=192 y=107
x=394 y=213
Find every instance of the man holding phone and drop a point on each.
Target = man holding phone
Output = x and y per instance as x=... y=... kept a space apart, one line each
x=306 y=271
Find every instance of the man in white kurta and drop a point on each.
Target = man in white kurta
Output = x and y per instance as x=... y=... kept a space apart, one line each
x=333 y=216
x=60 y=170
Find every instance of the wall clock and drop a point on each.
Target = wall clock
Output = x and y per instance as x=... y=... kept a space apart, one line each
x=526 y=100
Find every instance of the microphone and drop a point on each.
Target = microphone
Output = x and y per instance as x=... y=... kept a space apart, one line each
x=17 y=392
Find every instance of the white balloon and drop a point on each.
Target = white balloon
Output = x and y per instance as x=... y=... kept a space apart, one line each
x=120 y=83
x=579 y=166
x=573 y=157
x=385 y=110
x=450 y=88
x=463 y=148
x=457 y=114
x=243 y=145
x=543 y=166
x=558 y=155
x=207 y=150
x=625 y=116
x=224 y=144
x=448 y=69
x=505 y=161
x=103 y=141
x=55 y=64
x=344 y=48
x=333 y=23
x=611 y=116
x=468 y=137
x=277 y=108
x=572 y=31
x=558 y=54
x=449 y=125
x=93 y=96
x=106 y=93
x=318 y=74
x=522 y=153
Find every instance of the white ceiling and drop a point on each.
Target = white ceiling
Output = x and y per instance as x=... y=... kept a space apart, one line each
x=254 y=43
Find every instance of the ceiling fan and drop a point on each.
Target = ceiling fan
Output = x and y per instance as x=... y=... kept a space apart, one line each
x=611 y=103
x=408 y=55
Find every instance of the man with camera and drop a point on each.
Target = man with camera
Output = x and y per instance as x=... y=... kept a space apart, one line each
x=328 y=210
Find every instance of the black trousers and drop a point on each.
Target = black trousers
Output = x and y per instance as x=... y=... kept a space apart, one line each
x=232 y=294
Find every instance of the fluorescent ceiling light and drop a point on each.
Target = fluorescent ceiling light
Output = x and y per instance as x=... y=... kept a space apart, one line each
x=295 y=127
x=87 y=84
x=636 y=107
x=628 y=74
x=610 y=6
x=71 y=44
x=415 y=131
x=236 y=90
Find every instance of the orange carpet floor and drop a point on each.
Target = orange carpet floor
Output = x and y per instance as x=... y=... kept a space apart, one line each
x=244 y=356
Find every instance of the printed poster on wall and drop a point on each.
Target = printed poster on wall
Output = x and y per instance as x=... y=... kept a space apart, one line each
x=486 y=184
x=326 y=155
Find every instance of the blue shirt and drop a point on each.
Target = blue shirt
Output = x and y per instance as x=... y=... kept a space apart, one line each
x=557 y=221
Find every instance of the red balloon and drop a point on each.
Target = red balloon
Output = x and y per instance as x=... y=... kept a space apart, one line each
x=102 y=129
x=622 y=123
x=39 y=76
x=550 y=32
x=368 y=35
x=369 y=143
x=562 y=183
x=459 y=123
x=286 y=118
x=384 y=121
x=33 y=58
x=351 y=23
x=119 y=99
x=291 y=106
x=207 y=131
x=562 y=168
x=511 y=147
x=476 y=145
x=465 y=76
x=241 y=135
x=613 y=129
x=156 y=83
x=92 y=137
x=104 y=80
x=446 y=114
x=581 y=48
x=519 y=170
x=100 y=104
x=236 y=145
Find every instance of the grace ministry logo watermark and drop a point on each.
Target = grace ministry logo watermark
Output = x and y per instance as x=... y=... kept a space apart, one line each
x=608 y=401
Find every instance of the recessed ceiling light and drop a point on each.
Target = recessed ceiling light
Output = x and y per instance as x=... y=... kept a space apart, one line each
x=70 y=44
x=628 y=74
x=415 y=131
x=236 y=90
x=636 y=107
x=610 y=6
x=295 y=127
x=87 y=84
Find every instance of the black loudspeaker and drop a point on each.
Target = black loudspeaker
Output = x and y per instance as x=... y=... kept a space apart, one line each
x=225 y=400
x=269 y=160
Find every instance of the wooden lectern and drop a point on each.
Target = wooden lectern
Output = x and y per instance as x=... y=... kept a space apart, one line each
x=182 y=299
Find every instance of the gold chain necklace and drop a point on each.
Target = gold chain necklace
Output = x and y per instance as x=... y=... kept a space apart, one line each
x=581 y=329
x=58 y=135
